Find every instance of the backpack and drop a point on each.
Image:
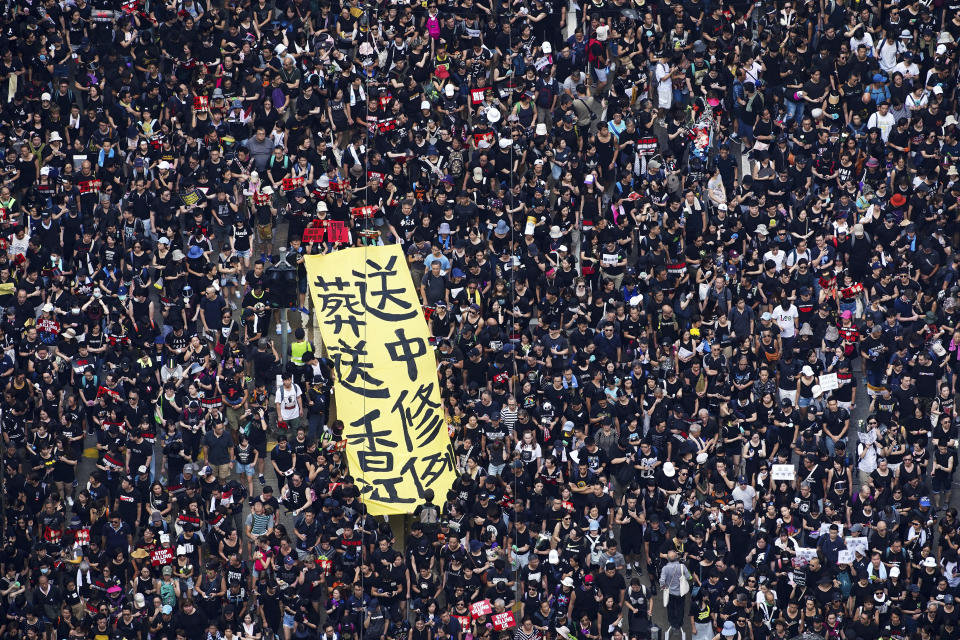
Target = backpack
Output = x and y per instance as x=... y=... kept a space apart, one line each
x=429 y=514
x=456 y=164
x=433 y=27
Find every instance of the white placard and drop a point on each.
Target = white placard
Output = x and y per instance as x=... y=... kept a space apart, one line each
x=783 y=472
x=856 y=543
x=806 y=553
x=829 y=382
x=825 y=528
x=845 y=556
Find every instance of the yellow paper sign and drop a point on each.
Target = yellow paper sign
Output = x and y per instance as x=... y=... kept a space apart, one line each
x=387 y=392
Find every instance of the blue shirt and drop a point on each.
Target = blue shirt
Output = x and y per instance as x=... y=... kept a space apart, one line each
x=442 y=259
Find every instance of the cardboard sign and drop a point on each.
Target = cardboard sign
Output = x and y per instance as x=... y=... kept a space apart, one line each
x=367 y=211
x=800 y=577
x=483 y=137
x=385 y=100
x=48 y=325
x=201 y=103
x=162 y=557
x=481 y=608
x=647 y=146
x=852 y=291
x=829 y=382
x=531 y=226
x=845 y=556
x=289 y=184
x=191 y=197
x=261 y=198
x=825 y=528
x=314 y=233
x=806 y=553
x=476 y=96
x=856 y=543
x=89 y=186
x=785 y=472
x=503 y=621
x=386 y=124
x=542 y=62
x=103 y=391
x=464 y=622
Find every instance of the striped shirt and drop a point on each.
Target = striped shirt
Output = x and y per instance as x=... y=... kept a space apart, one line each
x=259 y=523
x=508 y=418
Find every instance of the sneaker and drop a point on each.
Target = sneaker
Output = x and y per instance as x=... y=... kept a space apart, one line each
x=261 y=479
x=279 y=328
x=69 y=501
x=305 y=311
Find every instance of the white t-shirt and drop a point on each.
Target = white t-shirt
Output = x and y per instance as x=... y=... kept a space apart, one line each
x=906 y=69
x=777 y=257
x=745 y=495
x=785 y=320
x=866 y=40
x=287 y=399
x=884 y=123
x=887 y=54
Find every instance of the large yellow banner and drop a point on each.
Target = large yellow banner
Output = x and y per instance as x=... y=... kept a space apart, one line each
x=386 y=392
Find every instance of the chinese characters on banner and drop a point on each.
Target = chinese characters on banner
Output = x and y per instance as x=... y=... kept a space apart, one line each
x=387 y=390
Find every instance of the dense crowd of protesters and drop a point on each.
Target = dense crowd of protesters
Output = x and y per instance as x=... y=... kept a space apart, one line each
x=690 y=268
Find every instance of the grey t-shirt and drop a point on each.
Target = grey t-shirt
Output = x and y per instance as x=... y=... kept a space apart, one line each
x=435 y=287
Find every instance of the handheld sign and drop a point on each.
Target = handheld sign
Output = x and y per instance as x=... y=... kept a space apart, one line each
x=829 y=382
x=289 y=184
x=783 y=472
x=856 y=543
x=480 y=608
x=503 y=621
